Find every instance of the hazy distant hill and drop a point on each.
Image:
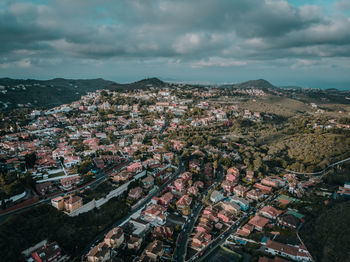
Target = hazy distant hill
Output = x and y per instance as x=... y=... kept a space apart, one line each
x=16 y=93
x=291 y=87
x=145 y=83
x=46 y=93
x=260 y=83
x=58 y=91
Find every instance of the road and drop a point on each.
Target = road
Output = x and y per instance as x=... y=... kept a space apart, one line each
x=100 y=236
x=182 y=240
x=220 y=240
x=322 y=172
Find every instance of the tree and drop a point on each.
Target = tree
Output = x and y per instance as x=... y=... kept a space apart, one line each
x=186 y=211
x=30 y=160
x=257 y=163
x=215 y=166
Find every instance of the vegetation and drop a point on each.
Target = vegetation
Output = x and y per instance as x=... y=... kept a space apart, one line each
x=98 y=192
x=310 y=152
x=326 y=234
x=50 y=92
x=10 y=185
x=45 y=222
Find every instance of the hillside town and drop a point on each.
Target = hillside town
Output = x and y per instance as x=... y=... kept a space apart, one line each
x=170 y=157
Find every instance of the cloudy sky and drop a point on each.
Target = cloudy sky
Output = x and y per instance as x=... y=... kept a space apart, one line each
x=292 y=42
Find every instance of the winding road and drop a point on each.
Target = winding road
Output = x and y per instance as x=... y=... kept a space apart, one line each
x=322 y=172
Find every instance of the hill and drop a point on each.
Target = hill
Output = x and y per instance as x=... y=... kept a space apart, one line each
x=278 y=105
x=18 y=93
x=46 y=93
x=142 y=84
x=260 y=83
x=327 y=235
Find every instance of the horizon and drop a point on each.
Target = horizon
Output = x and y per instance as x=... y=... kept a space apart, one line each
x=179 y=81
x=287 y=42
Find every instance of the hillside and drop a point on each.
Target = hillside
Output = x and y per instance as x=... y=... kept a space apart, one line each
x=277 y=105
x=145 y=83
x=260 y=83
x=49 y=93
x=46 y=93
x=327 y=235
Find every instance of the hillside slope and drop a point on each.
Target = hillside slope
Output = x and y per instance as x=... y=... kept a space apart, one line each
x=142 y=84
x=260 y=83
x=49 y=93
x=327 y=236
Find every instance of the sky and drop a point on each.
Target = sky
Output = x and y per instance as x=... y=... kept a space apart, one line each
x=294 y=42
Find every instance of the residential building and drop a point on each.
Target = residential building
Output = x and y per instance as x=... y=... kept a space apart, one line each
x=115 y=237
x=155 y=250
x=216 y=196
x=192 y=190
x=183 y=202
x=70 y=181
x=194 y=164
x=297 y=253
x=228 y=186
x=289 y=220
x=265 y=189
x=99 y=253
x=47 y=253
x=200 y=240
x=240 y=190
x=73 y=203
x=162 y=232
x=166 y=199
x=134 y=243
x=186 y=176
x=148 y=182
x=44 y=188
x=345 y=190
x=155 y=214
x=58 y=202
x=134 y=167
x=135 y=193
x=273 y=181
x=243 y=203
x=258 y=222
x=275 y=259
x=249 y=175
x=230 y=206
x=245 y=230
x=270 y=212
x=179 y=184
x=255 y=194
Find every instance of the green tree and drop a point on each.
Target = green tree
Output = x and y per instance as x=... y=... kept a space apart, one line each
x=30 y=160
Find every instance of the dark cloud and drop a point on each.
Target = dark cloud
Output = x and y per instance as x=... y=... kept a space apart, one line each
x=198 y=33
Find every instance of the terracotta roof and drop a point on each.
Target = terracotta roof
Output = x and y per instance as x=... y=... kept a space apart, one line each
x=100 y=250
x=258 y=221
x=275 y=259
x=115 y=233
x=271 y=211
x=73 y=199
x=155 y=247
x=46 y=252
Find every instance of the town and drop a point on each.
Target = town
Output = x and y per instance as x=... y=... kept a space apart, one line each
x=176 y=164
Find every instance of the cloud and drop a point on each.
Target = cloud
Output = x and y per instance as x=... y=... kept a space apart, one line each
x=343 y=5
x=196 y=34
x=218 y=62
